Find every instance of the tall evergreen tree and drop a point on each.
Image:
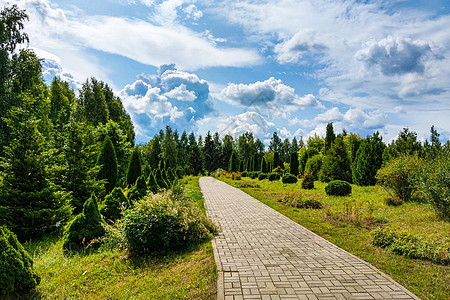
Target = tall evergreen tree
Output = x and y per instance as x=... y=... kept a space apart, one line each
x=263 y=165
x=108 y=165
x=30 y=204
x=226 y=151
x=255 y=162
x=134 y=167
x=369 y=159
x=152 y=184
x=275 y=143
x=285 y=151
x=169 y=148
x=211 y=154
x=233 y=165
x=294 y=163
x=294 y=145
x=336 y=164
x=195 y=156
x=276 y=160
x=329 y=137
x=241 y=166
x=91 y=104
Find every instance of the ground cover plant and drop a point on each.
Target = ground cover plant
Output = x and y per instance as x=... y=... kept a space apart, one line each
x=348 y=222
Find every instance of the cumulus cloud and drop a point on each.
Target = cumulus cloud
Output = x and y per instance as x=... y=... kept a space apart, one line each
x=171 y=97
x=395 y=56
x=270 y=94
x=249 y=121
x=302 y=43
x=52 y=69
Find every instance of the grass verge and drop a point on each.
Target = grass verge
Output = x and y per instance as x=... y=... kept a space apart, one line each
x=348 y=221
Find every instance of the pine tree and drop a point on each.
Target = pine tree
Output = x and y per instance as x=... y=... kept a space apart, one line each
x=108 y=165
x=336 y=165
x=369 y=159
x=329 y=138
x=30 y=204
x=134 y=167
x=294 y=163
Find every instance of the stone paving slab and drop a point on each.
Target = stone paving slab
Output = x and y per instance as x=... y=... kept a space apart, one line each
x=261 y=254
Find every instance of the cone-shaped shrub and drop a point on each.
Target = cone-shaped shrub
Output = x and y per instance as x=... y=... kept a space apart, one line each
x=241 y=166
x=84 y=229
x=108 y=165
x=134 y=167
x=289 y=178
x=180 y=172
x=338 y=188
x=166 y=179
x=233 y=163
x=170 y=176
x=276 y=160
x=263 y=165
x=111 y=207
x=16 y=266
x=160 y=180
x=336 y=165
x=308 y=181
x=138 y=191
x=293 y=163
x=152 y=185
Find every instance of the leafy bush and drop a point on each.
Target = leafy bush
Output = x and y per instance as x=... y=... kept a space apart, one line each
x=298 y=200
x=253 y=175
x=406 y=244
x=336 y=164
x=434 y=183
x=289 y=178
x=114 y=202
x=244 y=174
x=399 y=176
x=152 y=185
x=314 y=165
x=138 y=191
x=236 y=176
x=83 y=231
x=161 y=222
x=248 y=185
x=262 y=176
x=368 y=160
x=279 y=171
x=308 y=181
x=16 y=266
x=393 y=201
x=338 y=188
x=273 y=176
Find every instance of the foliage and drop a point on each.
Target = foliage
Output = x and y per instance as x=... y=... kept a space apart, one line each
x=393 y=201
x=336 y=164
x=273 y=176
x=138 y=191
x=308 y=181
x=338 y=188
x=314 y=165
x=289 y=178
x=161 y=223
x=233 y=164
x=434 y=183
x=293 y=163
x=83 y=231
x=253 y=174
x=329 y=138
x=244 y=174
x=16 y=266
x=262 y=176
x=412 y=246
x=299 y=200
x=236 y=176
x=369 y=159
x=108 y=165
x=152 y=185
x=405 y=144
x=162 y=184
x=134 y=167
x=399 y=175
x=303 y=156
x=30 y=204
x=276 y=161
x=114 y=203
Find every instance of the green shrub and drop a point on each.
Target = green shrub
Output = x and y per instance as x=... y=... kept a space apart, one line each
x=112 y=206
x=16 y=266
x=108 y=164
x=152 y=185
x=244 y=174
x=236 y=176
x=138 y=191
x=399 y=175
x=289 y=178
x=134 y=167
x=262 y=176
x=161 y=223
x=83 y=231
x=409 y=245
x=314 y=165
x=298 y=200
x=253 y=175
x=273 y=176
x=434 y=183
x=393 y=201
x=308 y=181
x=338 y=188
x=336 y=164
x=368 y=160
x=279 y=171
x=162 y=184
x=248 y=185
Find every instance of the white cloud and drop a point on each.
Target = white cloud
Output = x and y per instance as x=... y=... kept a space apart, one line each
x=248 y=121
x=301 y=43
x=52 y=69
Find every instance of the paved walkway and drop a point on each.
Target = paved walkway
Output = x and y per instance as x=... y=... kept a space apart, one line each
x=262 y=254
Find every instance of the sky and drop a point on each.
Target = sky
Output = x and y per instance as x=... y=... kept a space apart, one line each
x=262 y=66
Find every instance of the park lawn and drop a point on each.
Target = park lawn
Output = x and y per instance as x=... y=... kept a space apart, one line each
x=348 y=221
x=112 y=274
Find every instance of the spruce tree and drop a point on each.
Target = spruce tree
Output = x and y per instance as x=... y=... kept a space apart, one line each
x=336 y=164
x=276 y=160
x=134 y=167
x=329 y=138
x=138 y=191
x=152 y=184
x=294 y=163
x=108 y=165
x=31 y=205
x=111 y=207
x=369 y=159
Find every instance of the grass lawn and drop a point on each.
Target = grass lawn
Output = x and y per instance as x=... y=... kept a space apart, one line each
x=347 y=222
x=111 y=274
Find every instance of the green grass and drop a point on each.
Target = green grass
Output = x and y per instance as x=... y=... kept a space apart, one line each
x=347 y=222
x=112 y=274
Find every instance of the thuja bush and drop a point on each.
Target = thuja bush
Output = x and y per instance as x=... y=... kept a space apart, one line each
x=138 y=191
x=289 y=178
x=16 y=266
x=412 y=246
x=114 y=203
x=84 y=230
x=262 y=176
x=253 y=174
x=273 y=176
x=244 y=174
x=338 y=188
x=161 y=223
x=308 y=181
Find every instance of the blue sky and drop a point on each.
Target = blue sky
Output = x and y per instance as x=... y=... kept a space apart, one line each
x=260 y=66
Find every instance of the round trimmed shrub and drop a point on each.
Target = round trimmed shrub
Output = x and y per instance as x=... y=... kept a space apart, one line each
x=262 y=176
x=84 y=229
x=111 y=207
x=289 y=178
x=273 y=176
x=162 y=223
x=338 y=188
x=253 y=174
x=16 y=266
x=244 y=174
x=308 y=181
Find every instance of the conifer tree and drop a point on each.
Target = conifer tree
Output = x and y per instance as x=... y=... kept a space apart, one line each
x=152 y=184
x=160 y=180
x=294 y=163
x=134 y=167
x=232 y=167
x=138 y=191
x=329 y=137
x=276 y=160
x=241 y=166
x=263 y=165
x=369 y=159
x=255 y=162
x=336 y=164
x=30 y=204
x=249 y=165
x=111 y=207
x=108 y=165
